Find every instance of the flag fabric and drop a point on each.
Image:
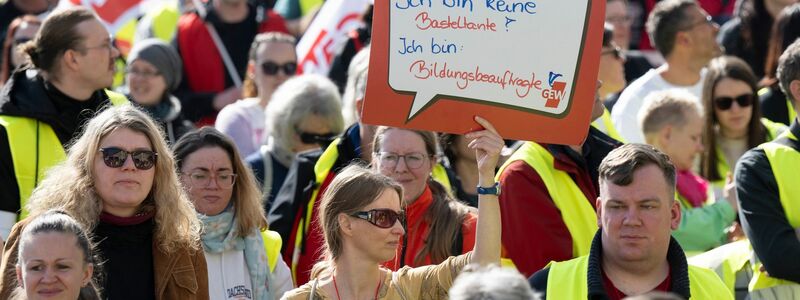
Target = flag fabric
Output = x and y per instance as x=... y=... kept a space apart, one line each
x=328 y=34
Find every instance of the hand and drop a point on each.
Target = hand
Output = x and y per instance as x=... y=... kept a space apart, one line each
x=734 y=232
x=487 y=144
x=226 y=97
x=729 y=192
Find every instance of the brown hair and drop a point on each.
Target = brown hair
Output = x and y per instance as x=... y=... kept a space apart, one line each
x=57 y=35
x=249 y=89
x=445 y=215
x=785 y=30
x=620 y=164
x=246 y=194
x=8 y=51
x=353 y=188
x=718 y=69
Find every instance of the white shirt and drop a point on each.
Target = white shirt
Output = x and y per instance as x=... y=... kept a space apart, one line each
x=229 y=278
x=625 y=112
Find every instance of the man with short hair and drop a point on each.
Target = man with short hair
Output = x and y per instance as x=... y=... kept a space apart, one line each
x=633 y=252
x=43 y=106
x=685 y=35
x=769 y=197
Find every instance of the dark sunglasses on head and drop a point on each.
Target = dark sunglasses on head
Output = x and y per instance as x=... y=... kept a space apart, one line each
x=272 y=68
x=725 y=103
x=383 y=218
x=313 y=138
x=115 y=157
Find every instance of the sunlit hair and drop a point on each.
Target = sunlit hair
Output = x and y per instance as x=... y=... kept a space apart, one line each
x=249 y=88
x=620 y=164
x=789 y=68
x=665 y=21
x=445 y=214
x=353 y=188
x=298 y=98
x=670 y=107
x=57 y=34
x=491 y=282
x=727 y=67
x=356 y=86
x=69 y=186
x=246 y=195
x=55 y=221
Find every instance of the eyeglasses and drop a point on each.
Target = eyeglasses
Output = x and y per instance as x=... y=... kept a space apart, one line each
x=115 y=157
x=224 y=180
x=707 y=20
x=725 y=103
x=616 y=51
x=313 y=138
x=107 y=45
x=142 y=73
x=619 y=19
x=272 y=68
x=413 y=160
x=383 y=218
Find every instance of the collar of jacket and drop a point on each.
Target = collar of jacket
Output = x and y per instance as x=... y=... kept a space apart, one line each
x=679 y=269
x=348 y=148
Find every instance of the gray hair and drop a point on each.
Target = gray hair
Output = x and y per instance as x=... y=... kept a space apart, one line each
x=489 y=283
x=789 y=68
x=356 y=86
x=665 y=21
x=670 y=107
x=298 y=98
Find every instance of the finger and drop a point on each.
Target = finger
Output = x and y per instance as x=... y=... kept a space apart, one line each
x=485 y=123
x=483 y=134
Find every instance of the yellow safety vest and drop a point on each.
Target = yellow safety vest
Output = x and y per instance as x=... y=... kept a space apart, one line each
x=773 y=130
x=605 y=125
x=784 y=161
x=726 y=260
x=34 y=149
x=789 y=106
x=577 y=212
x=272 y=246
x=307 y=5
x=568 y=280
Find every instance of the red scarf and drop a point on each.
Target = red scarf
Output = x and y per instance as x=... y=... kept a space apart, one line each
x=692 y=187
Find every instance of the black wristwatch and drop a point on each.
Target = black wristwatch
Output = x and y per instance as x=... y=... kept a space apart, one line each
x=493 y=190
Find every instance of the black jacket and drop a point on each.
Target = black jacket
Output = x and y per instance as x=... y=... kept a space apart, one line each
x=761 y=213
x=26 y=94
x=678 y=268
x=773 y=105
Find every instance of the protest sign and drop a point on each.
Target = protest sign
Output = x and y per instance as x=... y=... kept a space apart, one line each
x=528 y=66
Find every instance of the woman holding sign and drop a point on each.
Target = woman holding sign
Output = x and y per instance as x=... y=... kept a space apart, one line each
x=362 y=219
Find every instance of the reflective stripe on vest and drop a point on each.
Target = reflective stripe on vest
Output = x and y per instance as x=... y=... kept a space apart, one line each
x=726 y=260
x=773 y=130
x=605 y=125
x=577 y=212
x=272 y=247
x=34 y=149
x=568 y=280
x=784 y=161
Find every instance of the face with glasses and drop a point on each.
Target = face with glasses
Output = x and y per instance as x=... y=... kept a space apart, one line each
x=312 y=133
x=701 y=34
x=612 y=70
x=377 y=228
x=403 y=157
x=275 y=63
x=147 y=86
x=25 y=32
x=617 y=15
x=124 y=168
x=95 y=55
x=733 y=106
x=209 y=178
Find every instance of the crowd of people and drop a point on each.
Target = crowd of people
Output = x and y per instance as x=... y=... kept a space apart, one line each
x=248 y=179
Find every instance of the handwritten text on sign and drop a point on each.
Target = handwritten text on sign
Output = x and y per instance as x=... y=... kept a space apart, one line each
x=520 y=54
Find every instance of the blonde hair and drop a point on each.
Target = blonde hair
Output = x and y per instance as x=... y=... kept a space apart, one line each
x=246 y=195
x=69 y=186
x=670 y=107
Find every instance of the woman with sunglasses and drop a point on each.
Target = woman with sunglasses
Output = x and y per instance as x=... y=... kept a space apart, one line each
x=153 y=72
x=362 y=219
x=244 y=258
x=304 y=114
x=612 y=75
x=119 y=182
x=272 y=60
x=21 y=30
x=733 y=122
x=439 y=226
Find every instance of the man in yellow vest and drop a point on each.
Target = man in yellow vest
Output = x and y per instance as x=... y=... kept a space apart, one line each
x=768 y=189
x=548 y=197
x=43 y=105
x=633 y=252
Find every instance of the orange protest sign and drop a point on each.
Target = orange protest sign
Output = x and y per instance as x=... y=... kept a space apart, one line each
x=528 y=66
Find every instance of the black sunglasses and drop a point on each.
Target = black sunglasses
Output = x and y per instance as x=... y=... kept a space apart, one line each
x=272 y=68
x=725 y=103
x=383 y=218
x=115 y=157
x=313 y=138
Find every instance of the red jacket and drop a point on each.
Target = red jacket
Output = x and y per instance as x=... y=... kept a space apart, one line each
x=533 y=231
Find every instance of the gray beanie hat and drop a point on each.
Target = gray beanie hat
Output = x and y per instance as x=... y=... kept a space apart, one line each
x=162 y=56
